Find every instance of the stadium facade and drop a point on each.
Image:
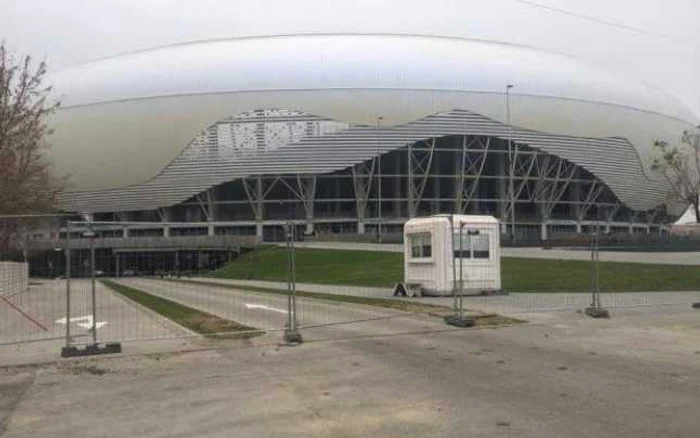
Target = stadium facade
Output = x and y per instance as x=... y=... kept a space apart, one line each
x=342 y=133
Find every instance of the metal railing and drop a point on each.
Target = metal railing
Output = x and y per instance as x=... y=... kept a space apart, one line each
x=222 y=241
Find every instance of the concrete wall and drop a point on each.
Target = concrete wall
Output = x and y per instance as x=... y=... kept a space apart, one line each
x=686 y=230
x=14 y=277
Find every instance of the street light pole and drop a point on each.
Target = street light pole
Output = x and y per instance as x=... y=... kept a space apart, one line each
x=511 y=165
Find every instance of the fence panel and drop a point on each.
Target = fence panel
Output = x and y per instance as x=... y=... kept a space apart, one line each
x=32 y=287
x=77 y=282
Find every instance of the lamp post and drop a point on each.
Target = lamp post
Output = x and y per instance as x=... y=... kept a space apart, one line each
x=511 y=165
x=379 y=179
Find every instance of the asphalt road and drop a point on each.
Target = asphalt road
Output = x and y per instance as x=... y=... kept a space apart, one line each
x=636 y=375
x=268 y=311
x=512 y=304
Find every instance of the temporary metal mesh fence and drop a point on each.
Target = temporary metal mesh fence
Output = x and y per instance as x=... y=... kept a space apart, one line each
x=32 y=292
x=140 y=288
x=76 y=282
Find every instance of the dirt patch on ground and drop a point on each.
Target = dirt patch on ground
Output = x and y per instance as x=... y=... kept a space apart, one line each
x=214 y=327
x=496 y=321
x=82 y=369
x=11 y=392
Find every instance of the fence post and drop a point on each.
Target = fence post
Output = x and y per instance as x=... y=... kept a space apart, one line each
x=68 y=231
x=458 y=319
x=291 y=334
x=596 y=310
x=461 y=270
x=454 y=263
x=91 y=236
x=93 y=348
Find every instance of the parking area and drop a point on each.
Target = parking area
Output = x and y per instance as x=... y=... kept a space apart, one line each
x=33 y=322
x=562 y=374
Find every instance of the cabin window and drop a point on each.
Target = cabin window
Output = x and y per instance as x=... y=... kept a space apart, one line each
x=472 y=246
x=480 y=246
x=421 y=246
x=462 y=248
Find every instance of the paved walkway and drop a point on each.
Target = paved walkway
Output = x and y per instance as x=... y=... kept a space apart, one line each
x=352 y=246
x=666 y=258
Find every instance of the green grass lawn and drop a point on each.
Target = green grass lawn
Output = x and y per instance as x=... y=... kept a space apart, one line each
x=483 y=320
x=384 y=269
x=361 y=268
x=200 y=322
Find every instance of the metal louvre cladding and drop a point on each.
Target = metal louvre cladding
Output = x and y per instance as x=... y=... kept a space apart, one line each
x=206 y=163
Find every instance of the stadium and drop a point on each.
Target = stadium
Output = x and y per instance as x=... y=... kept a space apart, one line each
x=356 y=133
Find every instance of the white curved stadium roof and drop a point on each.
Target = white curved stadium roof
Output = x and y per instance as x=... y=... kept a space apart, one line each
x=125 y=118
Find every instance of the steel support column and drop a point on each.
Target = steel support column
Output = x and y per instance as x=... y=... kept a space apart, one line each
x=420 y=160
x=362 y=175
x=471 y=167
x=305 y=191
x=256 y=192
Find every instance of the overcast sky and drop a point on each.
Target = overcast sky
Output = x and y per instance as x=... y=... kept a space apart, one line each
x=655 y=41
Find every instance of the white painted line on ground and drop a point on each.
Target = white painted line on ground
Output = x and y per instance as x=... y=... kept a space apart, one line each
x=87 y=324
x=264 y=307
x=76 y=319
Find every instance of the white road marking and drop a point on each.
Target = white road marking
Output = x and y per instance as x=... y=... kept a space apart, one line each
x=264 y=307
x=76 y=319
x=87 y=324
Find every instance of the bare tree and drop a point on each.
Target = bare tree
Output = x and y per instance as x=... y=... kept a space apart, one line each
x=680 y=166
x=27 y=184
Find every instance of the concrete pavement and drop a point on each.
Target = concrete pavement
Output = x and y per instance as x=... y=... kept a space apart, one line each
x=515 y=304
x=637 y=375
x=22 y=340
x=267 y=311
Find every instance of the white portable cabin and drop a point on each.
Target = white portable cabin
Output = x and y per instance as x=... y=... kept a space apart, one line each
x=432 y=253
